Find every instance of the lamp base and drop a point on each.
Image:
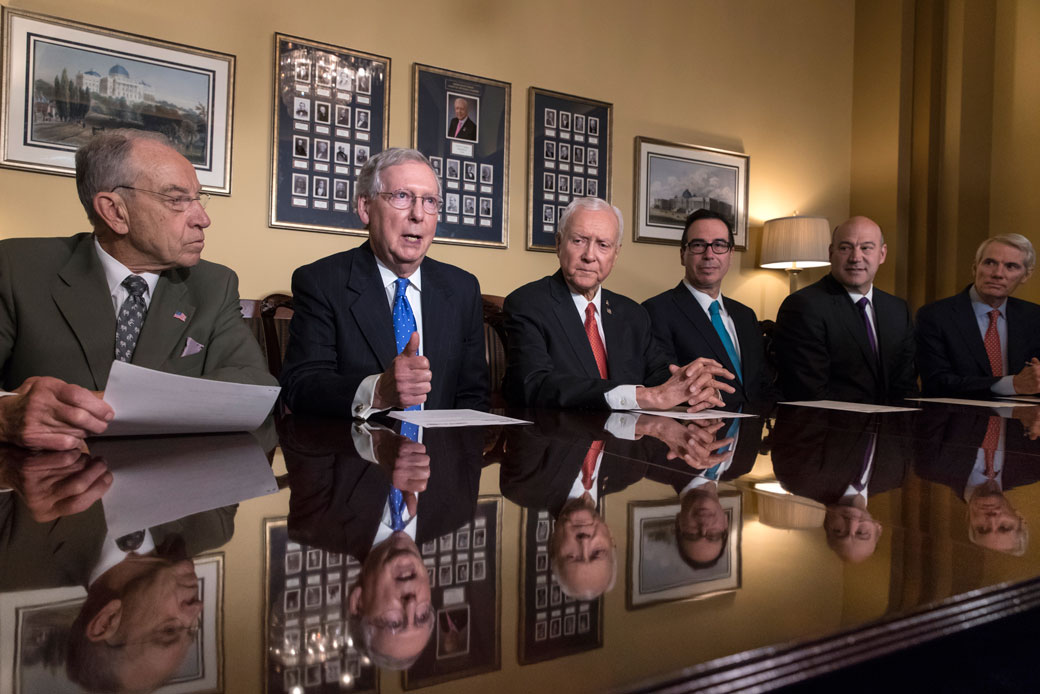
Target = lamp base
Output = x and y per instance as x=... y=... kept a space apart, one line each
x=792 y=273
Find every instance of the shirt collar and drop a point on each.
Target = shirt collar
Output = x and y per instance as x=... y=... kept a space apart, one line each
x=981 y=308
x=581 y=302
x=388 y=277
x=856 y=296
x=116 y=272
x=704 y=299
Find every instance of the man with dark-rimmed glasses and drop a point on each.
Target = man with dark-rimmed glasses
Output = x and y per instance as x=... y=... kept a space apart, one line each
x=134 y=290
x=383 y=326
x=694 y=319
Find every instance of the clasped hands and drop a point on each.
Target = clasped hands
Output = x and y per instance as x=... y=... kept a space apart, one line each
x=1027 y=381
x=694 y=443
x=695 y=384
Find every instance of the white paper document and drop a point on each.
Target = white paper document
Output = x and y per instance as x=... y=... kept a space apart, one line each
x=850 y=406
x=1022 y=398
x=961 y=401
x=158 y=480
x=680 y=413
x=153 y=402
x=452 y=418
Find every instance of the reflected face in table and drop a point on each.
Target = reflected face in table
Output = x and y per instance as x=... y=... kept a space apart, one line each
x=582 y=550
x=993 y=522
x=852 y=532
x=702 y=526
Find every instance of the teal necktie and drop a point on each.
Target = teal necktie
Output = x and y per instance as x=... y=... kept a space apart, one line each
x=720 y=328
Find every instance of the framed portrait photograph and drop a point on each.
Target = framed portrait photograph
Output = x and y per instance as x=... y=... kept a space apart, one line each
x=64 y=81
x=564 y=147
x=673 y=180
x=463 y=119
x=657 y=570
x=338 y=99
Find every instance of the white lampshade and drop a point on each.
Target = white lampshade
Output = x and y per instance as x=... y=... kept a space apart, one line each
x=790 y=243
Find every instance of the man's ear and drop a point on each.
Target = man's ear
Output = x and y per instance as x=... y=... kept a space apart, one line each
x=112 y=209
x=362 y=209
x=354 y=600
x=105 y=623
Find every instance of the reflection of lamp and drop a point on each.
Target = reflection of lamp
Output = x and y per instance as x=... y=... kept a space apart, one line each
x=795 y=243
x=779 y=508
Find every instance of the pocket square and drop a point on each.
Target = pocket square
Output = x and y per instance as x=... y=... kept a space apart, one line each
x=192 y=347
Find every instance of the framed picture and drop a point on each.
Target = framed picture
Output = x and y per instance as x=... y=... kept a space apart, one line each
x=305 y=607
x=331 y=111
x=465 y=119
x=674 y=180
x=64 y=81
x=35 y=625
x=656 y=570
x=568 y=138
x=544 y=610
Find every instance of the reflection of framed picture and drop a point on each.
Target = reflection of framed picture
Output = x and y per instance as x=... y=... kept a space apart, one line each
x=182 y=92
x=465 y=118
x=673 y=180
x=344 y=108
x=34 y=627
x=561 y=142
x=657 y=572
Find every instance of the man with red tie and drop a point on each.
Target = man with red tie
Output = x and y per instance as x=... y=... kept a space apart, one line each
x=573 y=344
x=982 y=342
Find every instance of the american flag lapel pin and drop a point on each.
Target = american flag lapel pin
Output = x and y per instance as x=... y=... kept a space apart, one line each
x=608 y=308
x=180 y=315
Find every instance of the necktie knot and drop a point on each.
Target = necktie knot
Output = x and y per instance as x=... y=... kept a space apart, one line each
x=863 y=303
x=994 y=315
x=714 y=308
x=135 y=285
x=400 y=288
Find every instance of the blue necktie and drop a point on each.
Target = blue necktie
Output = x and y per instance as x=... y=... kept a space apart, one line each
x=720 y=328
x=404 y=326
x=396 y=500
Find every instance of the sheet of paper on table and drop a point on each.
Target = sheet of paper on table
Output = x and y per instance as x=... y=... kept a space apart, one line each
x=160 y=479
x=850 y=406
x=452 y=418
x=962 y=401
x=1022 y=398
x=153 y=402
x=680 y=413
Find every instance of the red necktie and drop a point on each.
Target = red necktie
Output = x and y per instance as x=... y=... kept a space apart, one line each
x=989 y=445
x=992 y=342
x=589 y=466
x=592 y=330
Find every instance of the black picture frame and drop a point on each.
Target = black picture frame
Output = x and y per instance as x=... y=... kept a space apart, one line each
x=485 y=145
x=339 y=98
x=551 y=150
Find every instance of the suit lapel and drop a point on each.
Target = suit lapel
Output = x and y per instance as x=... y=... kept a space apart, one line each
x=82 y=296
x=849 y=316
x=162 y=330
x=747 y=334
x=370 y=309
x=436 y=328
x=967 y=325
x=1016 y=336
x=573 y=327
x=702 y=324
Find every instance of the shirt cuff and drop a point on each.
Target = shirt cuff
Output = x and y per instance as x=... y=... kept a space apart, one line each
x=622 y=425
x=366 y=393
x=362 y=436
x=621 y=398
x=1005 y=386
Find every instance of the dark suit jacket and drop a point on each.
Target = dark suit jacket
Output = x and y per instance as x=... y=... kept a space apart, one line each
x=823 y=353
x=819 y=453
x=468 y=132
x=56 y=318
x=549 y=359
x=685 y=333
x=337 y=497
x=950 y=353
x=342 y=332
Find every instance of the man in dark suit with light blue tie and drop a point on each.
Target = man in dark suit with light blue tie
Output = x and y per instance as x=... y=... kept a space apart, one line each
x=383 y=326
x=693 y=319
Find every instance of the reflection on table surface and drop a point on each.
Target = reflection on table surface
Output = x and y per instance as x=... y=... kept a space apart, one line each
x=498 y=558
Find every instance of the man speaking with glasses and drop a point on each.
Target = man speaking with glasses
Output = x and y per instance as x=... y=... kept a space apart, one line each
x=134 y=290
x=693 y=319
x=382 y=326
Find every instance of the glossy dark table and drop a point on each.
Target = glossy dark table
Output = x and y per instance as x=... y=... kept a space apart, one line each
x=814 y=573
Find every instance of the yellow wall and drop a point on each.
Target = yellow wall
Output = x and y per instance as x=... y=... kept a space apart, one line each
x=771 y=79
x=1014 y=203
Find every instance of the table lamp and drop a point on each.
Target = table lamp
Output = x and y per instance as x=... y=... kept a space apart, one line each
x=795 y=243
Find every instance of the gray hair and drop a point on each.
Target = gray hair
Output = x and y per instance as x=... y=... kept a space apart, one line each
x=369 y=184
x=1015 y=241
x=104 y=164
x=592 y=205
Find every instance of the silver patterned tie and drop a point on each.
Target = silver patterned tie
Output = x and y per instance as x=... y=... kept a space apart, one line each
x=130 y=318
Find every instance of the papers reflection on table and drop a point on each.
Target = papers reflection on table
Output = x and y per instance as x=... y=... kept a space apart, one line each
x=452 y=418
x=962 y=401
x=850 y=406
x=160 y=479
x=679 y=413
x=1022 y=398
x=153 y=402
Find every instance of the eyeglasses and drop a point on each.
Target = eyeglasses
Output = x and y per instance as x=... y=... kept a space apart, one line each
x=394 y=621
x=178 y=203
x=167 y=635
x=404 y=199
x=718 y=246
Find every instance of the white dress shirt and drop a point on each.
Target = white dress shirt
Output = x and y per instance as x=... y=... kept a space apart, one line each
x=116 y=272
x=620 y=397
